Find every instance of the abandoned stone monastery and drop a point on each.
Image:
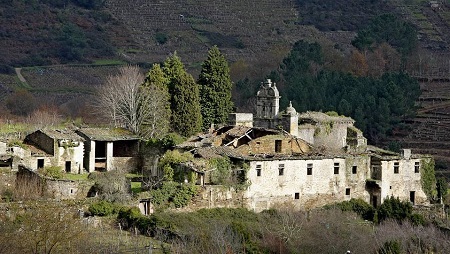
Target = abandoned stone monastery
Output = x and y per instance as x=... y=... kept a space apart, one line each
x=306 y=159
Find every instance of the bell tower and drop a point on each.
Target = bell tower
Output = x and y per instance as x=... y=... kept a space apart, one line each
x=267 y=101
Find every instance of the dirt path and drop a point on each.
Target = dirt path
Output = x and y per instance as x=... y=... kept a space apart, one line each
x=19 y=75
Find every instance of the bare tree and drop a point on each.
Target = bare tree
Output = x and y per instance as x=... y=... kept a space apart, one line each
x=120 y=99
x=131 y=104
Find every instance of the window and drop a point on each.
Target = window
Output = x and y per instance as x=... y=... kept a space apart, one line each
x=258 y=170
x=281 y=169
x=278 y=146
x=297 y=195
x=354 y=169
x=347 y=191
x=309 y=168
x=416 y=167
x=396 y=167
x=336 y=168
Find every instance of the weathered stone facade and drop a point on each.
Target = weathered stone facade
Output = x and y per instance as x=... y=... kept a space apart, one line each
x=31 y=185
x=55 y=148
x=308 y=160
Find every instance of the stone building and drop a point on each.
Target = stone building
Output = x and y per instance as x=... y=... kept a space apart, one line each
x=106 y=149
x=309 y=159
x=59 y=148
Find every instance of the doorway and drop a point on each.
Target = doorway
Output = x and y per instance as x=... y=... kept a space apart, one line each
x=68 y=166
x=40 y=163
x=412 y=197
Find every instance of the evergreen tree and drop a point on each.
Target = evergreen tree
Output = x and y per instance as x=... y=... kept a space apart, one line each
x=185 y=99
x=215 y=89
x=156 y=93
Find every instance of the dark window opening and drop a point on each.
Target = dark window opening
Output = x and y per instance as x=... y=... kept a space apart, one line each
x=258 y=170
x=354 y=169
x=396 y=167
x=68 y=166
x=297 y=195
x=278 y=146
x=309 y=168
x=40 y=163
x=416 y=167
x=281 y=169
x=336 y=168
x=347 y=191
x=71 y=191
x=412 y=196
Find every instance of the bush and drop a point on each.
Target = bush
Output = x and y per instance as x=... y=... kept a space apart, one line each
x=173 y=194
x=102 y=208
x=393 y=208
x=53 y=172
x=391 y=247
x=359 y=206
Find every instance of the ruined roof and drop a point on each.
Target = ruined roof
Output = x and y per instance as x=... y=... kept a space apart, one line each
x=107 y=134
x=61 y=134
x=319 y=117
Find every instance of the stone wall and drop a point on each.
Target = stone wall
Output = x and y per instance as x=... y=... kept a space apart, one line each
x=306 y=190
x=241 y=119
x=404 y=182
x=31 y=185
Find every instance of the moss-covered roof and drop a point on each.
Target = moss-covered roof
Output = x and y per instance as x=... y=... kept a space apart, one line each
x=107 y=134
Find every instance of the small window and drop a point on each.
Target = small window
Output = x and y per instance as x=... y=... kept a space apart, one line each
x=281 y=169
x=347 y=191
x=71 y=191
x=396 y=167
x=258 y=170
x=297 y=195
x=416 y=167
x=336 y=168
x=354 y=169
x=309 y=168
x=278 y=146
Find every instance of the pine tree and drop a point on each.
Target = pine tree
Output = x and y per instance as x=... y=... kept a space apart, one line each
x=215 y=89
x=185 y=100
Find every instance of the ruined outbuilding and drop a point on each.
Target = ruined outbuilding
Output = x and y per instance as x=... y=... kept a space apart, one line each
x=308 y=159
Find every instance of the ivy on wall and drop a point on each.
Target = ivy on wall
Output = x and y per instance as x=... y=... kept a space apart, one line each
x=428 y=177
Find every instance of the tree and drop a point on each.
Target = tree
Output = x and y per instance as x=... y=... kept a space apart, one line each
x=140 y=108
x=185 y=98
x=215 y=89
x=156 y=95
x=21 y=102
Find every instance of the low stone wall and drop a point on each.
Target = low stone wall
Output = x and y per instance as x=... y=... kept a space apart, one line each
x=31 y=185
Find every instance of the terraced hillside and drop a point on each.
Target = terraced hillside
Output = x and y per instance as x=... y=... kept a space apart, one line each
x=242 y=29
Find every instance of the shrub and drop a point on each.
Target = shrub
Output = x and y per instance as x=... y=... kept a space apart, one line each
x=391 y=247
x=359 y=206
x=53 y=172
x=173 y=194
x=393 y=208
x=102 y=208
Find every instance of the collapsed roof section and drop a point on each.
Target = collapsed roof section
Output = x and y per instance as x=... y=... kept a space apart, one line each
x=247 y=143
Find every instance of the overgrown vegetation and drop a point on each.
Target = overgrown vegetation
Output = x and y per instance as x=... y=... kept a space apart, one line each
x=378 y=105
x=391 y=209
x=428 y=177
x=279 y=230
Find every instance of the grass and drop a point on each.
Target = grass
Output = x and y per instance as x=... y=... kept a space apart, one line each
x=136 y=187
x=8 y=128
x=75 y=177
